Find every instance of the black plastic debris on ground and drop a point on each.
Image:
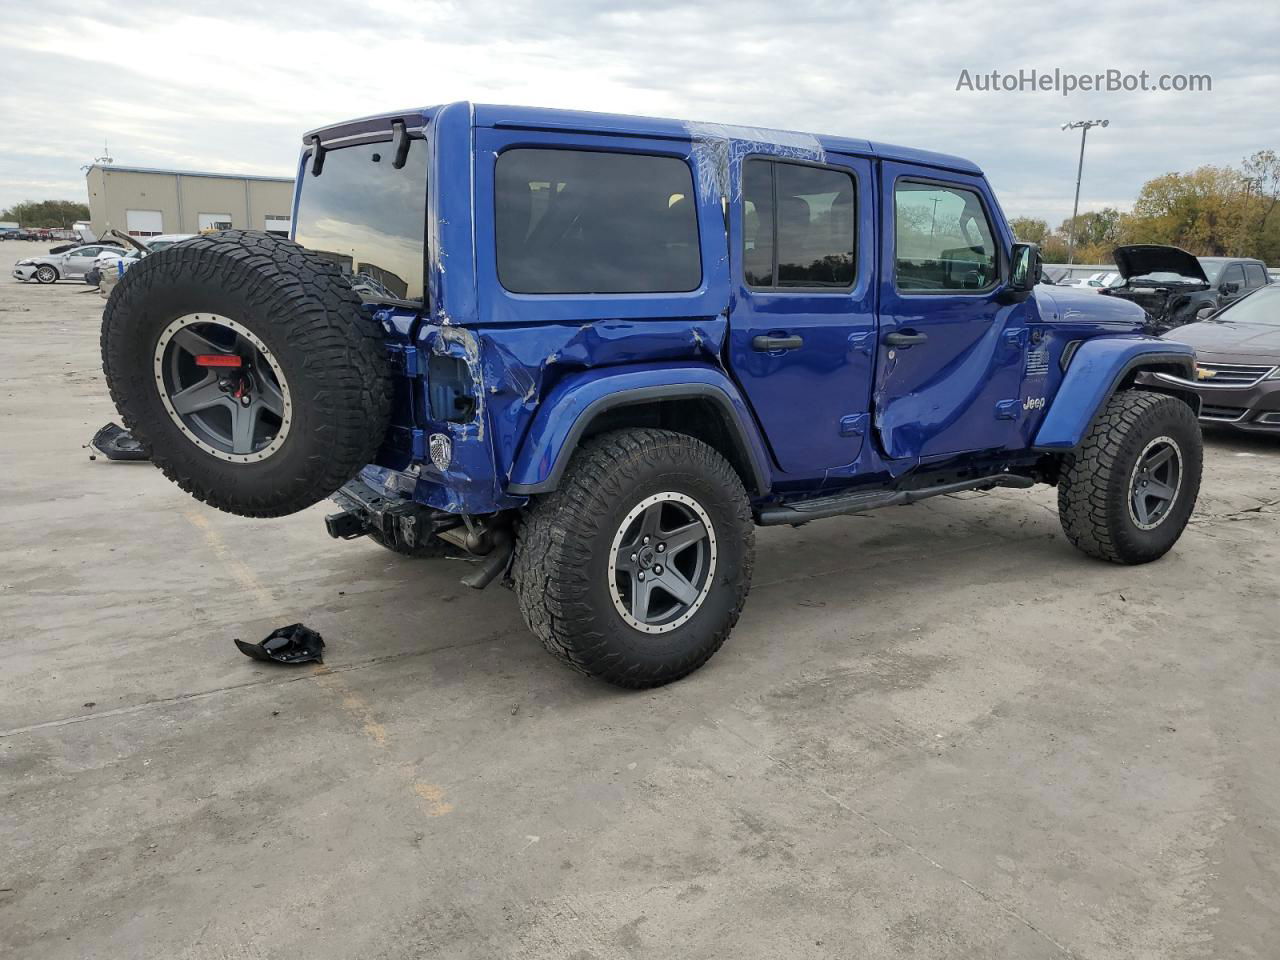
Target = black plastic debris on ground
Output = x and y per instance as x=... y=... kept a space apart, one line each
x=292 y=644
x=116 y=443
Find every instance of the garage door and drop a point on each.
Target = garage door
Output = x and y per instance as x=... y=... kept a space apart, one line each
x=277 y=225
x=214 y=221
x=144 y=223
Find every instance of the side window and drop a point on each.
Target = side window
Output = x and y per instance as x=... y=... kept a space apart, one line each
x=578 y=221
x=86 y=252
x=943 y=240
x=798 y=225
x=1255 y=275
x=1234 y=274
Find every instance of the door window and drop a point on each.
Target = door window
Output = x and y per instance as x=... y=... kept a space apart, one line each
x=581 y=221
x=798 y=225
x=1234 y=274
x=943 y=240
x=1255 y=275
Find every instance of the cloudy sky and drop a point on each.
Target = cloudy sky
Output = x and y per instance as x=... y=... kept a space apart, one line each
x=230 y=85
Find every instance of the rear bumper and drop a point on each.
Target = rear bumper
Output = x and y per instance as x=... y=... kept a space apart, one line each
x=1254 y=408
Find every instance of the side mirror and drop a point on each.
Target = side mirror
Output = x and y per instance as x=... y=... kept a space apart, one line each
x=1027 y=267
x=1229 y=288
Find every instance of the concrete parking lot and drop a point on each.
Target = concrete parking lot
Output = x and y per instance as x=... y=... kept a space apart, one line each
x=938 y=731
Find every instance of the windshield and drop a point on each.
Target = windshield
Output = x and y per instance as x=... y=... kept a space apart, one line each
x=1262 y=306
x=369 y=217
x=1211 y=268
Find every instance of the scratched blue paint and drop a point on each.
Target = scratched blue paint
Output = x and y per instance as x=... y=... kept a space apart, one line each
x=845 y=410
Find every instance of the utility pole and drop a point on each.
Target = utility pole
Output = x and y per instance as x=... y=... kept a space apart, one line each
x=1083 y=126
x=1249 y=184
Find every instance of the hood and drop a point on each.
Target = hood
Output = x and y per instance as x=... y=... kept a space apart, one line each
x=112 y=234
x=1083 y=305
x=1140 y=259
x=1229 y=342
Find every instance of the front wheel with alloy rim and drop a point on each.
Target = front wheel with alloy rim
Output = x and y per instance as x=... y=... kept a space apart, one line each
x=46 y=274
x=636 y=568
x=1127 y=494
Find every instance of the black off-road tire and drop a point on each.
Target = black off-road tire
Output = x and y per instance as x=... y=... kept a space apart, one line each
x=434 y=548
x=299 y=304
x=1094 y=486
x=562 y=555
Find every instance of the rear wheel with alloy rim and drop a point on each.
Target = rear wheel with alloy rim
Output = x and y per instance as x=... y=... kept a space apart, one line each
x=1127 y=493
x=636 y=568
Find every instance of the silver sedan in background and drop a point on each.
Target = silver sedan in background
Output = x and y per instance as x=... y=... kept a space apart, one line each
x=72 y=265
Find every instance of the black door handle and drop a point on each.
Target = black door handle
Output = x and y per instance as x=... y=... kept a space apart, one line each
x=905 y=339
x=768 y=344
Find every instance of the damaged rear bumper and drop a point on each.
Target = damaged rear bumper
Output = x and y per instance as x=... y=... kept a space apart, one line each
x=395 y=520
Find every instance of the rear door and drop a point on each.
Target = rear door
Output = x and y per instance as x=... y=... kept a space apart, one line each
x=951 y=353
x=802 y=320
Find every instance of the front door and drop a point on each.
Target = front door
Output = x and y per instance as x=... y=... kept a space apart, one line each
x=952 y=353
x=78 y=262
x=802 y=320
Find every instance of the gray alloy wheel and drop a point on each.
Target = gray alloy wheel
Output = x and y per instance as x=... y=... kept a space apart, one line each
x=662 y=562
x=223 y=387
x=1155 y=482
x=46 y=273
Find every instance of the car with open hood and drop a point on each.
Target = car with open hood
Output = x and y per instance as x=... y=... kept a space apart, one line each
x=1175 y=287
x=1237 y=363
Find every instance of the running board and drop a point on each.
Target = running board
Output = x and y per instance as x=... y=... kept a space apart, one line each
x=802 y=511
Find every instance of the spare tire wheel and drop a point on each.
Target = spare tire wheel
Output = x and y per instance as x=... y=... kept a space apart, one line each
x=248 y=367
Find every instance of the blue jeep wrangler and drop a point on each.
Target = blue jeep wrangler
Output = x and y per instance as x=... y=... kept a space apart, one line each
x=594 y=351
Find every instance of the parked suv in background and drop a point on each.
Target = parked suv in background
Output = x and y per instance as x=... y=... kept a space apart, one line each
x=595 y=351
x=1175 y=288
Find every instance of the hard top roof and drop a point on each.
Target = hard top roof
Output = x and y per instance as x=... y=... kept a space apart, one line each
x=542 y=118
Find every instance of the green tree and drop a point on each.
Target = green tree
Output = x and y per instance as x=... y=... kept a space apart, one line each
x=46 y=213
x=1201 y=211
x=1261 y=227
x=1029 y=229
x=1096 y=234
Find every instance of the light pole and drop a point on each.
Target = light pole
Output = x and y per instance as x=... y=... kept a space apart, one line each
x=1083 y=126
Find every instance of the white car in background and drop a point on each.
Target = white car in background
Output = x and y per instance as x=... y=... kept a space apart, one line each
x=152 y=244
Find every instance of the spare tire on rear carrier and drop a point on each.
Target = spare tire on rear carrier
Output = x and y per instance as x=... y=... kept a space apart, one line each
x=248 y=367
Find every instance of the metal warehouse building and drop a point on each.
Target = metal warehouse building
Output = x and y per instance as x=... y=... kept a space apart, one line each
x=145 y=202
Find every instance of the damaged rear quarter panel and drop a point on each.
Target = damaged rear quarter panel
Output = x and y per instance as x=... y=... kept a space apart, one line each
x=518 y=346
x=513 y=369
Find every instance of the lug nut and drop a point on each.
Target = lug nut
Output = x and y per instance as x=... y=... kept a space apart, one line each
x=662 y=547
x=641 y=574
x=645 y=540
x=633 y=557
x=658 y=569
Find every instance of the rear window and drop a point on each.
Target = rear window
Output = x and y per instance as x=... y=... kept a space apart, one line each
x=369 y=217
x=579 y=221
